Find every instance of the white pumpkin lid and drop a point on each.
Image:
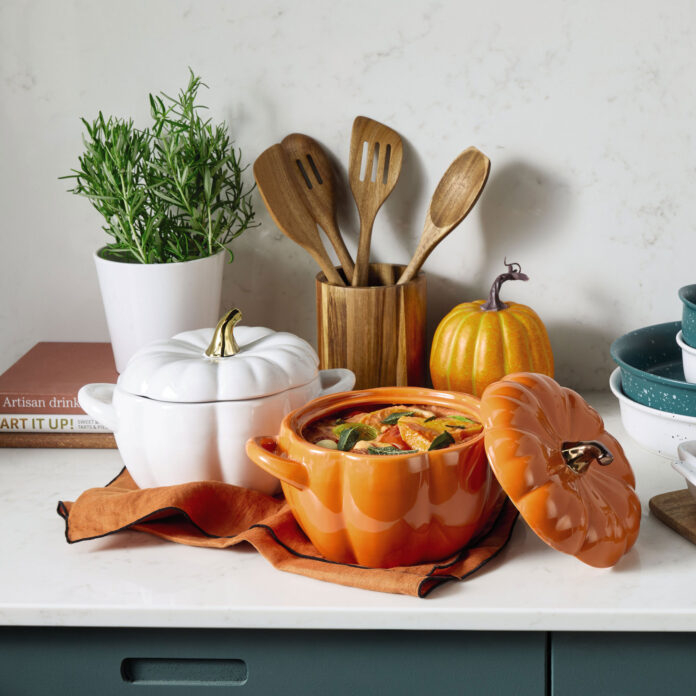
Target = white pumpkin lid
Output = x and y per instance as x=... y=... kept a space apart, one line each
x=181 y=369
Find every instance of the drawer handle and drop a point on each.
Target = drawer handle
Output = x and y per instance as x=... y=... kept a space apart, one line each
x=184 y=671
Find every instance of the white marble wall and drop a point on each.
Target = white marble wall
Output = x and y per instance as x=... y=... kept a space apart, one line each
x=586 y=110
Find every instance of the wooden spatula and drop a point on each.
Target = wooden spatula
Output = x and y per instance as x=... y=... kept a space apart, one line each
x=455 y=195
x=376 y=152
x=313 y=173
x=285 y=203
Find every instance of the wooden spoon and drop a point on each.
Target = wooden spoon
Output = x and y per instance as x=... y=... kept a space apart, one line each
x=314 y=176
x=285 y=203
x=455 y=195
x=378 y=150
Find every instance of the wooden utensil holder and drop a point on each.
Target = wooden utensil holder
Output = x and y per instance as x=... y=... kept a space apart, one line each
x=377 y=331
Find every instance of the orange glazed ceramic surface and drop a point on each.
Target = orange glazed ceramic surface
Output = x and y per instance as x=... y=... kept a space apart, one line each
x=382 y=510
x=479 y=342
x=568 y=477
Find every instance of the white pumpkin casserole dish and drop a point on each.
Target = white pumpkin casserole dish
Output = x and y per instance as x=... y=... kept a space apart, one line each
x=183 y=408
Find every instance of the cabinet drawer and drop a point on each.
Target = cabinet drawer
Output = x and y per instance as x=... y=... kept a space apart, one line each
x=622 y=664
x=249 y=662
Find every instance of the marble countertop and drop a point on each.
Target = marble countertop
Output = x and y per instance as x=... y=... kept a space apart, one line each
x=133 y=579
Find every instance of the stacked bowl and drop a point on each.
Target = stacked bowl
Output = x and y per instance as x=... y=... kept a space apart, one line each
x=655 y=381
x=686 y=338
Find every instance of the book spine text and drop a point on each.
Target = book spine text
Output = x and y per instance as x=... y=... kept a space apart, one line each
x=53 y=423
x=30 y=404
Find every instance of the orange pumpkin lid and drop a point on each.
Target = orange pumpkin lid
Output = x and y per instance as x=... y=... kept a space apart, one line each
x=567 y=476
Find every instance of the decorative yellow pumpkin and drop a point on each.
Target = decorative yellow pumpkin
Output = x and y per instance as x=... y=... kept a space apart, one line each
x=479 y=342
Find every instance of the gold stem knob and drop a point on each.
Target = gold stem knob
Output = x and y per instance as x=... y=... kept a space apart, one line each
x=223 y=344
x=579 y=455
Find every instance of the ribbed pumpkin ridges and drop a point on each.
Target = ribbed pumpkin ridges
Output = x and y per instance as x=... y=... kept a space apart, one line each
x=479 y=342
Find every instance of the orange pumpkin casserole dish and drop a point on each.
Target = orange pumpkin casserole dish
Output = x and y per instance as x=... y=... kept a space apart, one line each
x=399 y=475
x=384 y=477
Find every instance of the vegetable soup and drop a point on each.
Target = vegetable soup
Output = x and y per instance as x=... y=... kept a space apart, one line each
x=391 y=429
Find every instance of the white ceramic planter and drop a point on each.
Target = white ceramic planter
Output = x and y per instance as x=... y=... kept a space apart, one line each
x=150 y=302
x=166 y=443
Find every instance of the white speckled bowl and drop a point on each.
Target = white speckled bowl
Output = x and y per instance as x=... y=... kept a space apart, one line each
x=658 y=431
x=688 y=359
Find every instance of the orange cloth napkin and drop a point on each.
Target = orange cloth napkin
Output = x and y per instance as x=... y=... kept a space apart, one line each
x=221 y=515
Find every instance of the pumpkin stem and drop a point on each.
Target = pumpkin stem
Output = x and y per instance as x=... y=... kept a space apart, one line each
x=494 y=303
x=579 y=455
x=223 y=344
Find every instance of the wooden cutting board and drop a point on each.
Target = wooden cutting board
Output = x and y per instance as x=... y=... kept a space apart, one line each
x=69 y=440
x=678 y=511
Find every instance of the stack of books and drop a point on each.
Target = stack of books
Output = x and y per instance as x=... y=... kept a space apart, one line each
x=38 y=396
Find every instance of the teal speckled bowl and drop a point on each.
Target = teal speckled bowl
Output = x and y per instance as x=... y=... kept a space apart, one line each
x=651 y=369
x=687 y=295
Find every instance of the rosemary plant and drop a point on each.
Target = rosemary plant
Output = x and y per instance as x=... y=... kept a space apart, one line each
x=171 y=192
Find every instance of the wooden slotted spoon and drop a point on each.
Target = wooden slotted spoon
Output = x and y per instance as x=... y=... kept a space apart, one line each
x=455 y=195
x=285 y=203
x=378 y=150
x=314 y=176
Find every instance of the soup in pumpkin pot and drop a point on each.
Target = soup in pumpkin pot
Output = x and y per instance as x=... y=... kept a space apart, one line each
x=391 y=429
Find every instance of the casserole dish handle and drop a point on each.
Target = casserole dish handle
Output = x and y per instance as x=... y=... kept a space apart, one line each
x=96 y=400
x=287 y=470
x=337 y=379
x=686 y=464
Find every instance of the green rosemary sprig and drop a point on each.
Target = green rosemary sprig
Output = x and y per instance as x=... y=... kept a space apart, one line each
x=172 y=192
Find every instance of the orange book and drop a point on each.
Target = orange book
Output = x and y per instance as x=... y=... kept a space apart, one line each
x=45 y=381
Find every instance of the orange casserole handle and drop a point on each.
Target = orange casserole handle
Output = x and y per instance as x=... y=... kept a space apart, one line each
x=259 y=450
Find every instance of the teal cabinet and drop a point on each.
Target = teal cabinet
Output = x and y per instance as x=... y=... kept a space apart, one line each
x=154 y=662
x=622 y=664
x=166 y=662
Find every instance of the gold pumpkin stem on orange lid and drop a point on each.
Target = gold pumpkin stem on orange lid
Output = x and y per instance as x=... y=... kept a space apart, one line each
x=223 y=344
x=579 y=455
x=494 y=303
